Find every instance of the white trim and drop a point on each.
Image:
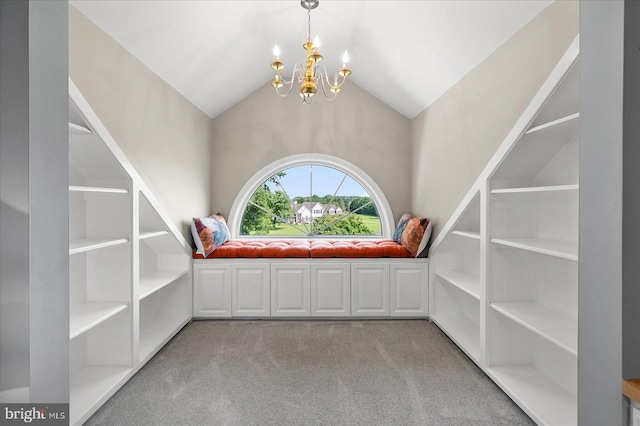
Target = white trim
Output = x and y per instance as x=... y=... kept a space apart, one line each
x=374 y=191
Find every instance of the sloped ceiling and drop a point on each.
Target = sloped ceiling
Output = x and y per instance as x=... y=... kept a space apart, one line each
x=405 y=53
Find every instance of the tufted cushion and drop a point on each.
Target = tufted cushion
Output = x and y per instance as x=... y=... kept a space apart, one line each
x=319 y=249
x=273 y=249
x=357 y=248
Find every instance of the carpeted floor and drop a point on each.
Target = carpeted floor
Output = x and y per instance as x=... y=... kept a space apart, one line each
x=310 y=373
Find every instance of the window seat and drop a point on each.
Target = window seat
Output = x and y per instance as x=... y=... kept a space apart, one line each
x=316 y=249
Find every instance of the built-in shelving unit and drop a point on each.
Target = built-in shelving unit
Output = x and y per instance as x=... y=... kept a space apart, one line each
x=522 y=214
x=130 y=279
x=455 y=287
x=164 y=281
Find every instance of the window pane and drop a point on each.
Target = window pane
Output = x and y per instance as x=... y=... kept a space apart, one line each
x=311 y=200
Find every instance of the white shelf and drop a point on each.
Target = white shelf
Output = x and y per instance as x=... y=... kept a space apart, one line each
x=553 y=123
x=548 y=247
x=561 y=330
x=150 y=283
x=98 y=189
x=161 y=331
x=91 y=386
x=540 y=189
x=152 y=234
x=87 y=315
x=464 y=332
x=76 y=129
x=542 y=399
x=467 y=234
x=89 y=244
x=464 y=281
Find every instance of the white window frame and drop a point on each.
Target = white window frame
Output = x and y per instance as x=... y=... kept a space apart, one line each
x=377 y=196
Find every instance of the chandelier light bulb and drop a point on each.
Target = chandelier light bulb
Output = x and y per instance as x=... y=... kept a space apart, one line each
x=345 y=59
x=316 y=42
x=276 y=51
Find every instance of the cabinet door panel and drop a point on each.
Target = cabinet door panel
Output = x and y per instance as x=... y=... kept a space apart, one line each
x=290 y=290
x=369 y=289
x=331 y=290
x=408 y=290
x=212 y=292
x=251 y=290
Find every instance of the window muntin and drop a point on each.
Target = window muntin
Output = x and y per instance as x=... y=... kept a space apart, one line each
x=312 y=200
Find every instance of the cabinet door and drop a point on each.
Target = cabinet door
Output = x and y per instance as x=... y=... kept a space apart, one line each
x=331 y=290
x=290 y=290
x=212 y=291
x=369 y=289
x=408 y=290
x=250 y=288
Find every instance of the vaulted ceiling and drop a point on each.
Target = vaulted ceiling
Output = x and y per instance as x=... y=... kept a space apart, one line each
x=405 y=53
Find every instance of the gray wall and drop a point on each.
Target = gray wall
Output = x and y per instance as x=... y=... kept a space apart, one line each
x=601 y=213
x=355 y=127
x=166 y=138
x=34 y=214
x=630 y=194
x=455 y=137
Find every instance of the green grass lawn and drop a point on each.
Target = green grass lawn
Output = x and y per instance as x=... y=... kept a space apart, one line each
x=372 y=222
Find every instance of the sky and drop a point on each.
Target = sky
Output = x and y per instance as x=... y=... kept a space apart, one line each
x=325 y=181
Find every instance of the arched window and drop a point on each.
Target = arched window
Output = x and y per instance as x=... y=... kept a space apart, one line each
x=311 y=196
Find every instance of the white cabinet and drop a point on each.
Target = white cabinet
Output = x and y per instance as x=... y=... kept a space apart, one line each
x=130 y=269
x=505 y=267
x=408 y=296
x=302 y=288
x=212 y=291
x=331 y=290
x=290 y=288
x=369 y=289
x=251 y=290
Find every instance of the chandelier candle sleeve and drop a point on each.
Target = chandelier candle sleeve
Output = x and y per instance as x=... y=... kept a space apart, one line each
x=310 y=75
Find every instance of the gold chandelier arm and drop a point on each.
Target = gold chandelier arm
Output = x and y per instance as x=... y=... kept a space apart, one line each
x=334 y=89
x=297 y=70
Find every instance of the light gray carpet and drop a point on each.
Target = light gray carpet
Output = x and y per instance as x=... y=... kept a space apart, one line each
x=310 y=373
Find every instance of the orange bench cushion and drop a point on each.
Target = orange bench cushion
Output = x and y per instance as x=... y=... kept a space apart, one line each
x=274 y=249
x=320 y=249
x=358 y=248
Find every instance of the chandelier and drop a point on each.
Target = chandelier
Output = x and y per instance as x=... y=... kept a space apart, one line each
x=310 y=75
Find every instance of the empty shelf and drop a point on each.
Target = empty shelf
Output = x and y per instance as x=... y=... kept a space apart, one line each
x=91 y=386
x=150 y=283
x=151 y=234
x=80 y=246
x=554 y=123
x=561 y=330
x=467 y=234
x=87 y=315
x=464 y=332
x=541 y=398
x=76 y=129
x=548 y=247
x=464 y=281
x=533 y=189
x=73 y=188
x=153 y=334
